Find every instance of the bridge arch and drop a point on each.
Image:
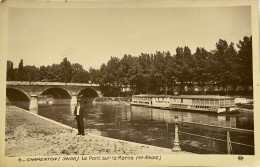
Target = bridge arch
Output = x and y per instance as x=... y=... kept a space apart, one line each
x=16 y=94
x=57 y=93
x=87 y=92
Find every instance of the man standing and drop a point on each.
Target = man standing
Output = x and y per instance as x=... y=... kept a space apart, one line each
x=79 y=115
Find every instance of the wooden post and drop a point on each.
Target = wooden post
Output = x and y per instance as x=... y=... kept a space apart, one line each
x=228 y=143
x=176 y=145
x=167 y=128
x=166 y=89
x=119 y=120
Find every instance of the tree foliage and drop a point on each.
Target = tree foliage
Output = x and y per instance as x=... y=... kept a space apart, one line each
x=63 y=72
x=156 y=73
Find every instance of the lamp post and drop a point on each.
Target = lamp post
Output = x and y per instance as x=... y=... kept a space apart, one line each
x=176 y=144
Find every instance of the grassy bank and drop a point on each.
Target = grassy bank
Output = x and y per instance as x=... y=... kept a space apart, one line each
x=27 y=134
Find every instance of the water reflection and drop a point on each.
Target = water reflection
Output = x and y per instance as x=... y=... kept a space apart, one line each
x=21 y=104
x=168 y=116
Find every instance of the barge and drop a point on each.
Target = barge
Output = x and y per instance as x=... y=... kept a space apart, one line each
x=209 y=103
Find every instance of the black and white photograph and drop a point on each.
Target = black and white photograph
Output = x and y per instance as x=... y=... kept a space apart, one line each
x=129 y=82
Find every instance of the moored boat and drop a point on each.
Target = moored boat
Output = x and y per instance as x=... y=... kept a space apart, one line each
x=143 y=100
x=210 y=103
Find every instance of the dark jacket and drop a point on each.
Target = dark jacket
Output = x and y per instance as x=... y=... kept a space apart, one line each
x=81 y=112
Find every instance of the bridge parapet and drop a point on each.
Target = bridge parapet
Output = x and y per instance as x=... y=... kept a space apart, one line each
x=50 y=83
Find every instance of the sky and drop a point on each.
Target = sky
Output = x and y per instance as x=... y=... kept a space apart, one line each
x=91 y=36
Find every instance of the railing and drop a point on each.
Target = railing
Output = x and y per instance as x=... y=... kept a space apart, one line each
x=211 y=142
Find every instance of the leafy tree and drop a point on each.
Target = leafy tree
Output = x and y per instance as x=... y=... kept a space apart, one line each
x=156 y=73
x=79 y=74
x=124 y=69
x=203 y=63
x=226 y=64
x=20 y=72
x=133 y=72
x=143 y=71
x=65 y=70
x=245 y=60
x=184 y=70
x=159 y=71
x=50 y=73
x=170 y=79
x=127 y=71
x=113 y=71
x=104 y=78
x=82 y=77
x=31 y=73
x=94 y=75
x=10 y=71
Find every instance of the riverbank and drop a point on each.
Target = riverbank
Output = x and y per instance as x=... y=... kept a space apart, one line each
x=30 y=135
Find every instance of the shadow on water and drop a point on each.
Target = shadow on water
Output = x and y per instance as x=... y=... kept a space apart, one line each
x=156 y=127
x=21 y=104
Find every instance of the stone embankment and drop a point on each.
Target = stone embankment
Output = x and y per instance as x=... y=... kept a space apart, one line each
x=28 y=134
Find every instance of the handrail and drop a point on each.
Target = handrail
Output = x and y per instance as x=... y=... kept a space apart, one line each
x=202 y=136
x=242 y=144
x=223 y=127
x=215 y=139
x=228 y=141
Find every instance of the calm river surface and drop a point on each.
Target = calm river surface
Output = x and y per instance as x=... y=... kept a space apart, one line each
x=156 y=127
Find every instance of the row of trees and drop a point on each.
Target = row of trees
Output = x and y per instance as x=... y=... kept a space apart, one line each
x=161 y=71
x=63 y=72
x=155 y=73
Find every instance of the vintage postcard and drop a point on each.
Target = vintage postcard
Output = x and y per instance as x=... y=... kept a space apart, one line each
x=129 y=83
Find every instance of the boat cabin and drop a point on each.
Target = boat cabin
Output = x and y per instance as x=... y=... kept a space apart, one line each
x=203 y=102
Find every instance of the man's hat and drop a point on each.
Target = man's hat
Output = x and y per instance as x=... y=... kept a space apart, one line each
x=79 y=99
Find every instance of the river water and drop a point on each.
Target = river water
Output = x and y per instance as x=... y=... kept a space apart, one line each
x=156 y=127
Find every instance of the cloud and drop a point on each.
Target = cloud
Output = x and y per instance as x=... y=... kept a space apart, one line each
x=67 y=52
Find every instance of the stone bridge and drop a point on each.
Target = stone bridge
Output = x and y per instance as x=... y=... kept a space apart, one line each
x=60 y=92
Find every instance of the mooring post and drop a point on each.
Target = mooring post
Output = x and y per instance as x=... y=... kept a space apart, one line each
x=228 y=143
x=176 y=145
